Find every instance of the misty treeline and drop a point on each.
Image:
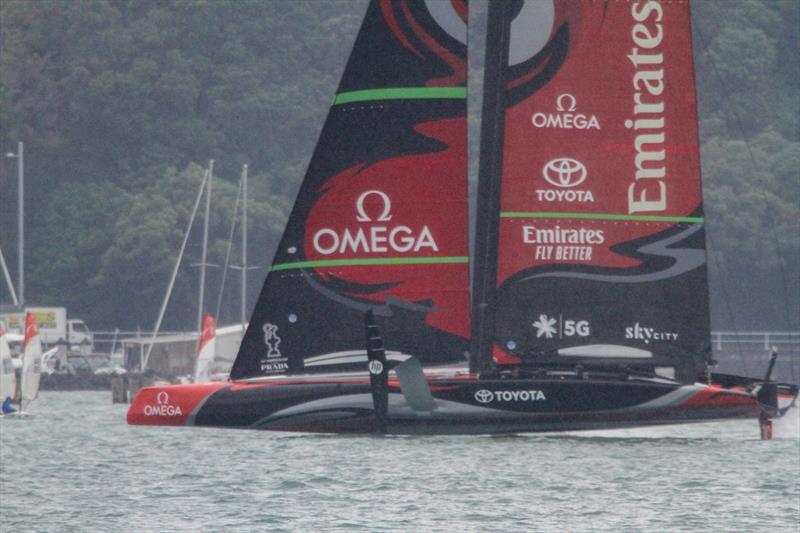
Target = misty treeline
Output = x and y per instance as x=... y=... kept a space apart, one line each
x=121 y=103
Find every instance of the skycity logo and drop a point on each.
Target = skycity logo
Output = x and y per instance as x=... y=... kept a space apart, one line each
x=564 y=173
x=565 y=116
x=648 y=334
x=375 y=238
x=486 y=396
x=162 y=407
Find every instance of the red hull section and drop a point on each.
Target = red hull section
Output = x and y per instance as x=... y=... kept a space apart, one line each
x=169 y=405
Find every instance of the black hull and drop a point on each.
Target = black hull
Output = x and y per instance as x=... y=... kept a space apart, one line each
x=463 y=405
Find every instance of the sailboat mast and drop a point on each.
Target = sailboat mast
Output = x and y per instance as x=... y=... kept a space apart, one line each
x=20 y=157
x=9 y=283
x=205 y=249
x=243 y=316
x=22 y=373
x=146 y=357
x=493 y=124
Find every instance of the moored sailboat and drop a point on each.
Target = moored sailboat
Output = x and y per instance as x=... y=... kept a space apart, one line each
x=206 y=349
x=589 y=294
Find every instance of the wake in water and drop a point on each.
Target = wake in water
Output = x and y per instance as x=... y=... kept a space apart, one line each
x=17 y=415
x=785 y=428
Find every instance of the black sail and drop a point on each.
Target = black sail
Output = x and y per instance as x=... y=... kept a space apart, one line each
x=380 y=221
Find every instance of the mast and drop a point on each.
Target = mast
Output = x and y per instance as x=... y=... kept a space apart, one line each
x=491 y=158
x=205 y=249
x=243 y=316
x=241 y=197
x=9 y=283
x=20 y=157
x=143 y=361
x=21 y=172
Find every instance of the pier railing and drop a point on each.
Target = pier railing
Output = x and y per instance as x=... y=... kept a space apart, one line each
x=747 y=352
x=723 y=340
x=108 y=342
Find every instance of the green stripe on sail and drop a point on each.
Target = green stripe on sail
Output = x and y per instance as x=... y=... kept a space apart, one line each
x=369 y=262
x=602 y=216
x=400 y=93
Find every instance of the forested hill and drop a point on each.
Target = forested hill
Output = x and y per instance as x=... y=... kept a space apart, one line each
x=121 y=103
x=748 y=76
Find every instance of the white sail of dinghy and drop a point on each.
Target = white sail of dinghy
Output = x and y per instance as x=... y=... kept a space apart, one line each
x=8 y=379
x=31 y=361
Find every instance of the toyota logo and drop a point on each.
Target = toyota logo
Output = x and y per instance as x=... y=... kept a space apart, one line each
x=375 y=367
x=484 y=396
x=564 y=172
x=162 y=398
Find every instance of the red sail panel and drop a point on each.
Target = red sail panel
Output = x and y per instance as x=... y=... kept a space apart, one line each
x=600 y=174
x=390 y=226
x=614 y=132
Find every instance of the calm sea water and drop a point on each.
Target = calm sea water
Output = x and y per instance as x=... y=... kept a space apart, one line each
x=76 y=466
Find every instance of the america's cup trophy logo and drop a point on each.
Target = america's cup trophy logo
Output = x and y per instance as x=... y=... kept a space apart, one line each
x=272 y=340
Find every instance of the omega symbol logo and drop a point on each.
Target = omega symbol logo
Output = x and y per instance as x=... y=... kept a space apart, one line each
x=162 y=398
x=569 y=99
x=271 y=339
x=362 y=213
x=564 y=172
x=375 y=367
x=484 y=396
